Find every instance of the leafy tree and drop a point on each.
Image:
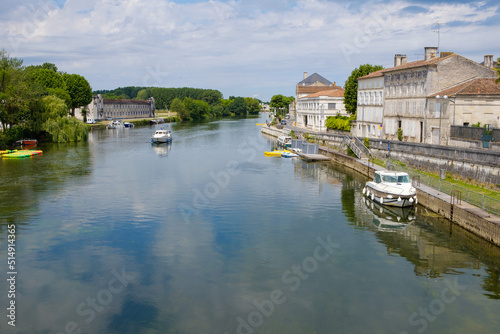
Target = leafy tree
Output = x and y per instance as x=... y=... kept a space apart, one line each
x=16 y=92
x=498 y=70
x=79 y=90
x=238 y=106
x=281 y=104
x=199 y=109
x=351 y=85
x=178 y=107
x=143 y=94
x=253 y=105
x=47 y=78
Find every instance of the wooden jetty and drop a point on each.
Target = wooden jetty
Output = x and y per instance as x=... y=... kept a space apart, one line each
x=313 y=157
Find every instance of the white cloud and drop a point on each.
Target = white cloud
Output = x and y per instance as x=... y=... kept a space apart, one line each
x=235 y=46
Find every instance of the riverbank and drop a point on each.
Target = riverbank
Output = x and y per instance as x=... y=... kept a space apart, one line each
x=469 y=217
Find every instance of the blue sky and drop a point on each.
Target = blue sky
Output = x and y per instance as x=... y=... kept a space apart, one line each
x=243 y=48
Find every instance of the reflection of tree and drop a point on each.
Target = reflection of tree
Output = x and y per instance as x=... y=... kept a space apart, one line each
x=25 y=181
x=492 y=283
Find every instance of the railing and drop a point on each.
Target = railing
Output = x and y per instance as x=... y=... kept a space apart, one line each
x=362 y=146
x=346 y=141
x=456 y=192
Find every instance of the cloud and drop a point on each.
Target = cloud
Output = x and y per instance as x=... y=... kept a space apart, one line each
x=234 y=46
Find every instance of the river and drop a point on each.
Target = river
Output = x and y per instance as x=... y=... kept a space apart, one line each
x=207 y=235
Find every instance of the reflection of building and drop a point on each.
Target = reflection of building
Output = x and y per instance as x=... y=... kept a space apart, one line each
x=101 y=108
x=316 y=99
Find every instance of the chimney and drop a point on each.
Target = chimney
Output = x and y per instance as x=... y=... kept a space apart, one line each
x=305 y=75
x=334 y=84
x=488 y=61
x=399 y=60
x=430 y=52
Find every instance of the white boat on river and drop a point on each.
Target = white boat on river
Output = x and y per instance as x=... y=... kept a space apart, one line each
x=391 y=188
x=162 y=136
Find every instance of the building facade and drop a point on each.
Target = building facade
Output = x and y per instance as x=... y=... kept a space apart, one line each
x=370 y=108
x=312 y=110
x=412 y=104
x=101 y=108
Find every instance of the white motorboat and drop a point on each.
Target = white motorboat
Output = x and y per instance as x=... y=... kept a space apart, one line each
x=391 y=188
x=285 y=141
x=115 y=124
x=162 y=136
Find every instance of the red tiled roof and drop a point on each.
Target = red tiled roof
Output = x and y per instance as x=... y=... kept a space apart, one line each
x=329 y=93
x=379 y=73
x=481 y=86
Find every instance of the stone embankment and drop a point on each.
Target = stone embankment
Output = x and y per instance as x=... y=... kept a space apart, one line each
x=469 y=217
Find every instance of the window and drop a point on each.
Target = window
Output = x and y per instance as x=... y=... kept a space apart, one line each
x=332 y=106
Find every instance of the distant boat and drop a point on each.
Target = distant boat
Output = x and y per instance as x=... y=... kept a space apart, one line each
x=128 y=125
x=159 y=120
x=116 y=124
x=27 y=142
x=391 y=188
x=162 y=136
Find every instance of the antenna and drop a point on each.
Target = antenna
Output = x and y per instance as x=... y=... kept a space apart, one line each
x=438 y=33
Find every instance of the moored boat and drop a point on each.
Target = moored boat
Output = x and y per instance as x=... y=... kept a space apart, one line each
x=128 y=125
x=284 y=141
x=273 y=153
x=27 y=142
x=391 y=188
x=20 y=154
x=115 y=124
x=162 y=136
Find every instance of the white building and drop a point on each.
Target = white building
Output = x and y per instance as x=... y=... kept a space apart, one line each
x=313 y=109
x=370 y=108
x=101 y=108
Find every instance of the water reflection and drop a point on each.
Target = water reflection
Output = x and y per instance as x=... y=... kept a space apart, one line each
x=161 y=148
x=200 y=247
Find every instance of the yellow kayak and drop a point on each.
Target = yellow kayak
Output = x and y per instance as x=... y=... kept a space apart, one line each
x=260 y=123
x=275 y=153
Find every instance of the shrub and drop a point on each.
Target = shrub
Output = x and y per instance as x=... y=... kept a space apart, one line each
x=400 y=134
x=366 y=141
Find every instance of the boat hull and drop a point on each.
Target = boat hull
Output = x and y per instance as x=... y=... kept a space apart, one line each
x=161 y=140
x=390 y=199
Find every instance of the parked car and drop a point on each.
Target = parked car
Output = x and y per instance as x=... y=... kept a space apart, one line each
x=90 y=121
x=283 y=122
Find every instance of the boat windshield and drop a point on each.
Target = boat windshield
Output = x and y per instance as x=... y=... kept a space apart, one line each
x=396 y=178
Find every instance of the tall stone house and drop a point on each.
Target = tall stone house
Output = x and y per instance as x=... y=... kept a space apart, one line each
x=417 y=98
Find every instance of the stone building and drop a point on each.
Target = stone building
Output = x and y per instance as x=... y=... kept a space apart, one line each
x=370 y=108
x=101 y=108
x=313 y=109
x=410 y=91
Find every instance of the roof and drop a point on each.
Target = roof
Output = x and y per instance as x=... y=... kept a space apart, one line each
x=420 y=63
x=314 y=78
x=478 y=86
x=315 y=89
x=379 y=73
x=329 y=93
x=124 y=101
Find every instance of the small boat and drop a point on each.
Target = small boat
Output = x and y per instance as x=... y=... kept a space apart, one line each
x=115 y=124
x=285 y=141
x=288 y=154
x=391 y=188
x=162 y=136
x=27 y=142
x=260 y=124
x=128 y=125
x=159 y=120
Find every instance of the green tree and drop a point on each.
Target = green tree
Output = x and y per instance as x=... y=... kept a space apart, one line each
x=351 y=85
x=47 y=78
x=16 y=92
x=143 y=94
x=178 y=107
x=498 y=70
x=79 y=90
x=238 y=106
x=281 y=104
x=253 y=105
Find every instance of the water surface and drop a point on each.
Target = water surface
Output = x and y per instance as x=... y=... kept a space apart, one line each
x=207 y=235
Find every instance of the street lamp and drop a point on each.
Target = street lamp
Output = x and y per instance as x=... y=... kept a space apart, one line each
x=444 y=98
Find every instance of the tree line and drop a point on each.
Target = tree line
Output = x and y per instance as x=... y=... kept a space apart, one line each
x=189 y=103
x=38 y=101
